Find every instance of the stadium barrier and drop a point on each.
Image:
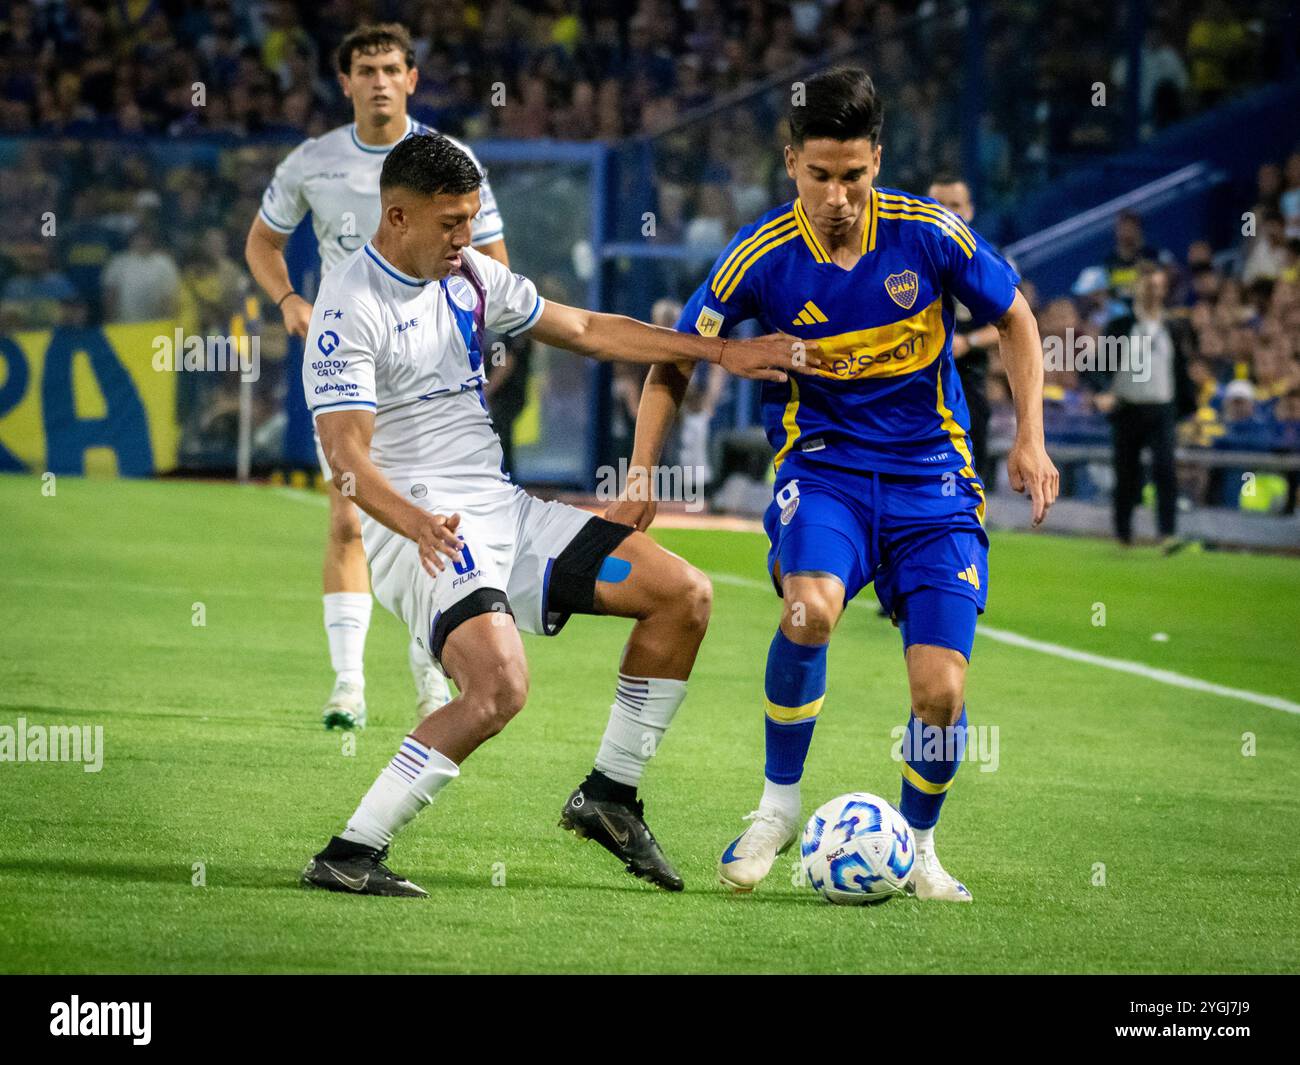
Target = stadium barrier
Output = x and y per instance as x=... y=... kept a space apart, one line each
x=79 y=400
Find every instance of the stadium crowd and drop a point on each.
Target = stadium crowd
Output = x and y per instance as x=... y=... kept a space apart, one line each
x=1235 y=315
x=153 y=232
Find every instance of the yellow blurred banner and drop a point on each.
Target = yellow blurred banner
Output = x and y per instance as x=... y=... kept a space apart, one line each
x=87 y=400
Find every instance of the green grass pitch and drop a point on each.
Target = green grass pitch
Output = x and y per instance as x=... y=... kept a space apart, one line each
x=213 y=754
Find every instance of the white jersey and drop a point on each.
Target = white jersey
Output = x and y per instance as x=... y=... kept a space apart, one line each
x=336 y=178
x=412 y=351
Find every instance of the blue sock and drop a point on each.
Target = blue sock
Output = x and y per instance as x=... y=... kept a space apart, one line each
x=931 y=756
x=796 y=687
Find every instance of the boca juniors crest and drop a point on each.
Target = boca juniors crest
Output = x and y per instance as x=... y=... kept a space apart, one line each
x=902 y=288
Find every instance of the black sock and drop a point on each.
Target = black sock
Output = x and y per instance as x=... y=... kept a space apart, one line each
x=601 y=788
x=340 y=848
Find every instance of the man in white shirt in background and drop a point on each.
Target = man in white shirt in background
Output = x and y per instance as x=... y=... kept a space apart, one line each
x=143 y=283
x=336 y=178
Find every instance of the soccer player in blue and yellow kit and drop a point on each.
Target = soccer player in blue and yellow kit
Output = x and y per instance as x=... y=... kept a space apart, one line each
x=874 y=482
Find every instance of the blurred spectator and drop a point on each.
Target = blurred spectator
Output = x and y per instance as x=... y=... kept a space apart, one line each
x=1130 y=249
x=506 y=391
x=1219 y=46
x=1164 y=80
x=1269 y=254
x=970 y=346
x=213 y=283
x=38 y=295
x=1145 y=402
x=141 y=284
x=1289 y=201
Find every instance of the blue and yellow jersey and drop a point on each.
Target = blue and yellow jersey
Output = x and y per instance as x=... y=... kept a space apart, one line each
x=890 y=399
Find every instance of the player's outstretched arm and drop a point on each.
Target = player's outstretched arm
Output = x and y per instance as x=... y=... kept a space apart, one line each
x=661 y=399
x=1028 y=467
x=264 y=253
x=615 y=337
x=345 y=436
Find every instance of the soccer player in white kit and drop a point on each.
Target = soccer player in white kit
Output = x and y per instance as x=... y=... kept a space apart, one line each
x=394 y=375
x=336 y=178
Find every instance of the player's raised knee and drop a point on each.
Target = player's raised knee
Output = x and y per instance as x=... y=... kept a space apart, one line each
x=692 y=593
x=497 y=695
x=938 y=692
x=811 y=613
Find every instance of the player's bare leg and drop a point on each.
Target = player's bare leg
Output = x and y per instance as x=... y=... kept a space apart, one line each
x=486 y=658
x=812 y=604
x=670 y=601
x=937 y=679
x=347 y=602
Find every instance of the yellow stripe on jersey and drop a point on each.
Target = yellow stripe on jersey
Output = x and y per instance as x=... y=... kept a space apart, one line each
x=921 y=784
x=775 y=240
x=869 y=226
x=896 y=202
x=887 y=350
x=789 y=714
x=968 y=249
x=911 y=216
x=789 y=424
x=720 y=278
x=958 y=437
x=810 y=238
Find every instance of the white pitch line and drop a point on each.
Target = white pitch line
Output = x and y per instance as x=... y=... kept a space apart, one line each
x=1119 y=665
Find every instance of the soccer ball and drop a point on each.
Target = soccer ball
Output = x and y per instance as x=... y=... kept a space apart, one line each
x=858 y=849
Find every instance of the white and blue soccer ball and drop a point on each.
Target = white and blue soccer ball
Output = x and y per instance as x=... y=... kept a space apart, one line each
x=858 y=849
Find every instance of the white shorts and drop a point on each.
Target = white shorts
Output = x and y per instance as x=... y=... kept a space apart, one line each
x=536 y=560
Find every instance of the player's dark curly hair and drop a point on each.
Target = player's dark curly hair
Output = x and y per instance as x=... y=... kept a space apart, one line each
x=841 y=104
x=430 y=164
x=373 y=39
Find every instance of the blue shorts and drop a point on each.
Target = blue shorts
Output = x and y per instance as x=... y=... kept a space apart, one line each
x=901 y=533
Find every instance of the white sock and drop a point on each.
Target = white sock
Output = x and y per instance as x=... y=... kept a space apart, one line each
x=782 y=800
x=642 y=711
x=405 y=787
x=924 y=838
x=347 y=619
x=430 y=682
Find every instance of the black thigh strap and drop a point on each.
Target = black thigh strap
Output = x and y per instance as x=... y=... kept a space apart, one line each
x=573 y=578
x=479 y=601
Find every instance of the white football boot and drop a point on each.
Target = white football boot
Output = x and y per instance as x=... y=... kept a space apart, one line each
x=346 y=707
x=749 y=859
x=434 y=693
x=930 y=881
x=431 y=689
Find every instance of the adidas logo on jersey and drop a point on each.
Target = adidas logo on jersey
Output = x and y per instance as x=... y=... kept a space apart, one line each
x=810 y=315
x=970 y=576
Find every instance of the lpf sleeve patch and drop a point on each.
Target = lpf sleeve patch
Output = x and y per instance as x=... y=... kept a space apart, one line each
x=708 y=323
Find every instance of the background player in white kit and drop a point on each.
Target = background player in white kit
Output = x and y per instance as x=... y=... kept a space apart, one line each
x=336 y=178
x=394 y=376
